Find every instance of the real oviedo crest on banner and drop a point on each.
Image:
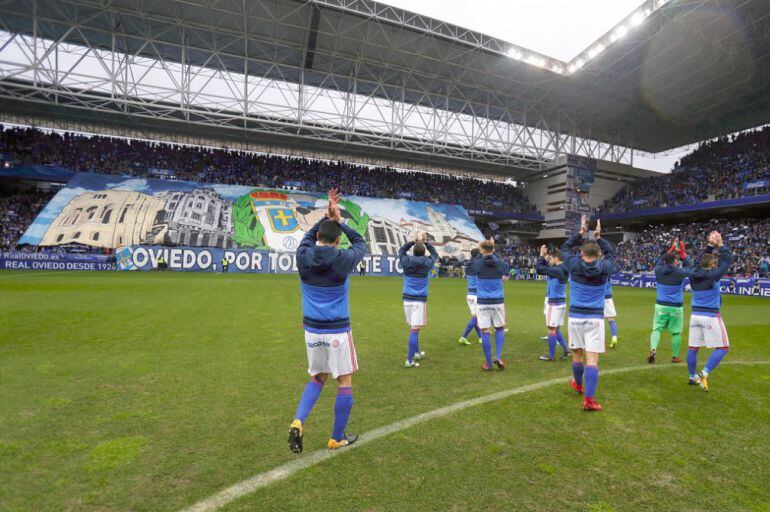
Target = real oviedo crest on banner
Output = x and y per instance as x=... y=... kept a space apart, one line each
x=276 y=212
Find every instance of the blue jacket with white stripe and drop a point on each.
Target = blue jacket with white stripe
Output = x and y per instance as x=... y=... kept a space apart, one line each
x=489 y=271
x=608 y=289
x=324 y=279
x=416 y=272
x=588 y=281
x=556 y=284
x=470 y=276
x=669 y=281
x=706 y=297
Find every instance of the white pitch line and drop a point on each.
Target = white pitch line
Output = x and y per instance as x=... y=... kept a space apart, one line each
x=284 y=471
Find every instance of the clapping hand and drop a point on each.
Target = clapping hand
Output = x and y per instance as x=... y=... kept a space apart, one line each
x=333 y=212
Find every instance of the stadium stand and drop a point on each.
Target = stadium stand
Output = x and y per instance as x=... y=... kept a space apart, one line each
x=752 y=235
x=17 y=211
x=29 y=146
x=718 y=169
x=726 y=168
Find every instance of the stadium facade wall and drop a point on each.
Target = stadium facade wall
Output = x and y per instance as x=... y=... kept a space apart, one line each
x=576 y=185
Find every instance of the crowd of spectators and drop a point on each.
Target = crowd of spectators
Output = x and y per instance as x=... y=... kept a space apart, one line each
x=30 y=146
x=726 y=168
x=749 y=240
x=17 y=211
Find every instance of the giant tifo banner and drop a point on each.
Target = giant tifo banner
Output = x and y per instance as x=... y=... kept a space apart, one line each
x=115 y=212
x=749 y=286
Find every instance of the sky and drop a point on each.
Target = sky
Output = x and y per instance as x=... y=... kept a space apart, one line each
x=557 y=28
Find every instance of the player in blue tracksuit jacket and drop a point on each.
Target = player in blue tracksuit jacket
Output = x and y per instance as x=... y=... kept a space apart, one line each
x=324 y=271
x=555 y=300
x=470 y=299
x=609 y=312
x=490 y=273
x=588 y=275
x=706 y=326
x=669 y=310
x=417 y=267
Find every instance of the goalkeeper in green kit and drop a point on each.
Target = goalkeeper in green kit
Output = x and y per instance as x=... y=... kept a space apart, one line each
x=669 y=314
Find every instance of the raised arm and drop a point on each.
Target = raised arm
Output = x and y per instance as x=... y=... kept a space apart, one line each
x=357 y=248
x=609 y=264
x=432 y=251
x=673 y=247
x=568 y=249
x=402 y=253
x=725 y=260
x=542 y=268
x=309 y=239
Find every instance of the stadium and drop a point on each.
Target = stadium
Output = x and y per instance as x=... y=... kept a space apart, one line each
x=213 y=210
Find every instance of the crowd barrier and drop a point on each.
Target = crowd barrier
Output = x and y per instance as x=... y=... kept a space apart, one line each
x=750 y=286
x=194 y=259
x=209 y=259
x=17 y=260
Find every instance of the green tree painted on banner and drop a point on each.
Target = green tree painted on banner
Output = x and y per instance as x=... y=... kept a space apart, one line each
x=358 y=220
x=249 y=232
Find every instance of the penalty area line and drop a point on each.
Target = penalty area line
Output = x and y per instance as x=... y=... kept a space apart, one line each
x=250 y=485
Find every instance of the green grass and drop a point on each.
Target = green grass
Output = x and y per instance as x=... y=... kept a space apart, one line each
x=146 y=392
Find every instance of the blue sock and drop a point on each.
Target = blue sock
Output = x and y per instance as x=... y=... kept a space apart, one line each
x=577 y=373
x=309 y=396
x=692 y=361
x=412 y=348
x=499 y=342
x=471 y=325
x=486 y=344
x=714 y=359
x=476 y=328
x=342 y=406
x=613 y=328
x=562 y=341
x=551 y=346
x=592 y=380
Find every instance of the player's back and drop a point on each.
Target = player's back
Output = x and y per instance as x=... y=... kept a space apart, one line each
x=556 y=280
x=588 y=280
x=470 y=277
x=324 y=279
x=706 y=296
x=324 y=282
x=587 y=288
x=416 y=271
x=489 y=271
x=556 y=286
x=669 y=281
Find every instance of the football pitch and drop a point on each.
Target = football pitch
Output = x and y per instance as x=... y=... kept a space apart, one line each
x=155 y=391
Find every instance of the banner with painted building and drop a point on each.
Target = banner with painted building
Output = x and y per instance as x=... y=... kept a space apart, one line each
x=113 y=212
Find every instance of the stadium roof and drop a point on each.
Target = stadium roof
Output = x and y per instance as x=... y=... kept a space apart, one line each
x=694 y=69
